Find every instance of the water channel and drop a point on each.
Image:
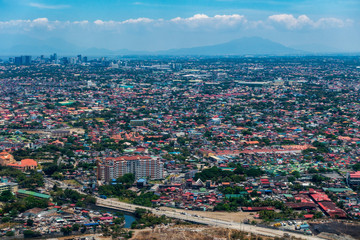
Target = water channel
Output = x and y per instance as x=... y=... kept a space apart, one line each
x=129 y=219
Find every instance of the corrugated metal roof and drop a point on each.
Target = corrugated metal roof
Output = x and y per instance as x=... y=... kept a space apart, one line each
x=35 y=194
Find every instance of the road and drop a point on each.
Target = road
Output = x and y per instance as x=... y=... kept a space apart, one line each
x=202 y=220
x=115 y=204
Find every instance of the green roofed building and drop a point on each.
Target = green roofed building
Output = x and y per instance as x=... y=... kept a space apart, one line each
x=338 y=190
x=227 y=169
x=288 y=196
x=65 y=103
x=24 y=193
x=241 y=194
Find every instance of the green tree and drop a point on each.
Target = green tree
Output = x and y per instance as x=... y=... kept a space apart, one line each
x=83 y=229
x=127 y=178
x=31 y=234
x=10 y=234
x=29 y=222
x=66 y=231
x=356 y=167
x=75 y=227
x=291 y=179
x=119 y=220
x=5 y=219
x=51 y=169
x=7 y=196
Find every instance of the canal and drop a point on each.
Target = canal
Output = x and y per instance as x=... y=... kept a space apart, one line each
x=129 y=218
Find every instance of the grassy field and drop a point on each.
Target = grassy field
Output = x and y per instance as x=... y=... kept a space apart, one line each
x=72 y=182
x=226 y=216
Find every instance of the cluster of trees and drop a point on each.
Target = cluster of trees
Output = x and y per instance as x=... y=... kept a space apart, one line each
x=120 y=189
x=108 y=143
x=61 y=196
x=318 y=179
x=30 y=181
x=356 y=167
x=126 y=180
x=19 y=205
x=232 y=204
x=116 y=190
x=218 y=175
x=7 y=196
x=56 y=171
x=31 y=234
x=86 y=166
x=75 y=227
x=49 y=149
x=320 y=148
x=147 y=219
x=116 y=230
x=231 y=190
x=144 y=199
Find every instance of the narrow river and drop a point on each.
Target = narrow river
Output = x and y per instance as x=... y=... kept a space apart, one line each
x=129 y=219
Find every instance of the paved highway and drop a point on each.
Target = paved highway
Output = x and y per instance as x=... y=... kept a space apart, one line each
x=114 y=204
x=202 y=220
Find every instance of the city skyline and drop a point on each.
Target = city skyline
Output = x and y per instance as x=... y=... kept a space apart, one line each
x=162 y=25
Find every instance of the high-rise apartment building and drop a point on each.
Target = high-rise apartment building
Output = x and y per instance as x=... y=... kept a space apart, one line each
x=353 y=178
x=141 y=166
x=23 y=60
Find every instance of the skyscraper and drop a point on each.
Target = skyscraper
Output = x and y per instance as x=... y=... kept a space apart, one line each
x=23 y=60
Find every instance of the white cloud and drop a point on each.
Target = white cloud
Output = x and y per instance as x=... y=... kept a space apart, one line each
x=99 y=22
x=302 y=21
x=333 y=23
x=45 y=6
x=138 y=20
x=198 y=22
x=85 y=22
x=39 y=23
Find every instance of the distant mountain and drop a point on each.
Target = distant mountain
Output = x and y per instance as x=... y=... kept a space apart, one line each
x=22 y=45
x=242 y=46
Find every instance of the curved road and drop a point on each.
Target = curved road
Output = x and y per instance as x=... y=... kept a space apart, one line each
x=114 y=204
x=202 y=220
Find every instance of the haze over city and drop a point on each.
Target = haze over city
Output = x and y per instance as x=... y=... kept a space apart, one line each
x=180 y=120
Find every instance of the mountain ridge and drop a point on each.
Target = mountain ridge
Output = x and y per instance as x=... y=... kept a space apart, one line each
x=237 y=47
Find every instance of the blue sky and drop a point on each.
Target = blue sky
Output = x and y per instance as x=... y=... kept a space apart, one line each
x=164 y=24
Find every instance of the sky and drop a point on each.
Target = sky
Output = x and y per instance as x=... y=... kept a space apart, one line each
x=166 y=24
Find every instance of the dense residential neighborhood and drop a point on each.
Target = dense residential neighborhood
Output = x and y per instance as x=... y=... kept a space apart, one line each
x=275 y=139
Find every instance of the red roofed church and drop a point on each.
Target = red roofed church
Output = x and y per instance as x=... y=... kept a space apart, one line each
x=24 y=165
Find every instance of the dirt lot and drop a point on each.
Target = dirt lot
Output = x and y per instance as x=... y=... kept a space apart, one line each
x=338 y=228
x=188 y=232
x=89 y=236
x=226 y=216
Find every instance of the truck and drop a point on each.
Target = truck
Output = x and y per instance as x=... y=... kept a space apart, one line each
x=103 y=196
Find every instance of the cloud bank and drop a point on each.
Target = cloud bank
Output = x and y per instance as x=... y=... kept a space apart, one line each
x=197 y=30
x=198 y=21
x=291 y=22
